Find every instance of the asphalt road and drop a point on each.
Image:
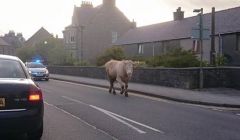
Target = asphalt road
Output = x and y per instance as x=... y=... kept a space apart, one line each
x=78 y=112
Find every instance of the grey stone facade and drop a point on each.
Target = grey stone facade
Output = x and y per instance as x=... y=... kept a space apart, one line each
x=94 y=29
x=6 y=48
x=158 y=38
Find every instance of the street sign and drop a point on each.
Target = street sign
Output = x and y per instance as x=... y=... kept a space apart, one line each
x=196 y=33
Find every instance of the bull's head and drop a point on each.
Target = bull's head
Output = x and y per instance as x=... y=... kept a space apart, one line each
x=129 y=67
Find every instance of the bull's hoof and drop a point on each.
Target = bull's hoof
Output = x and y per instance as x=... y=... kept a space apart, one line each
x=121 y=92
x=114 y=92
x=110 y=91
x=126 y=94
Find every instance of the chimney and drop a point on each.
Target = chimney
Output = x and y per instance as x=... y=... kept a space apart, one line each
x=109 y=3
x=87 y=4
x=178 y=15
x=133 y=24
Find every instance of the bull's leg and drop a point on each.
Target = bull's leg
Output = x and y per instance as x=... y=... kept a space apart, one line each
x=111 y=88
x=126 y=90
x=114 y=92
x=121 y=84
x=122 y=90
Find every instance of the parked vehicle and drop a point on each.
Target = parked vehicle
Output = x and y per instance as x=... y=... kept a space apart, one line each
x=21 y=101
x=37 y=70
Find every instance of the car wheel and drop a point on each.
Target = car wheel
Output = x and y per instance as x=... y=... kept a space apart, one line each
x=47 y=79
x=37 y=134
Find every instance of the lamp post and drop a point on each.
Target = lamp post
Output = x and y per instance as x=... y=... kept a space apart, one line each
x=79 y=49
x=81 y=30
x=200 y=11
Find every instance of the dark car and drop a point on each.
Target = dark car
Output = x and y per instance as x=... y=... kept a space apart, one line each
x=21 y=101
x=37 y=70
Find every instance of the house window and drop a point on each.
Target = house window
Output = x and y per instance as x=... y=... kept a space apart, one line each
x=114 y=37
x=238 y=43
x=196 y=46
x=140 y=49
x=72 y=39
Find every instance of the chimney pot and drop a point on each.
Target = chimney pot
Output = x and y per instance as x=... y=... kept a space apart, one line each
x=178 y=15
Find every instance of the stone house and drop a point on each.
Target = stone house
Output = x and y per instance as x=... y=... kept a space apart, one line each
x=13 y=42
x=6 y=48
x=39 y=37
x=94 y=29
x=159 y=38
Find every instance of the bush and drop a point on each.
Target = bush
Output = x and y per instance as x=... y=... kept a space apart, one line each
x=80 y=63
x=176 y=58
x=111 y=53
x=221 y=60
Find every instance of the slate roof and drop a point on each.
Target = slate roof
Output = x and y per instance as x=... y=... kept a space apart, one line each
x=227 y=21
x=3 y=43
x=41 y=35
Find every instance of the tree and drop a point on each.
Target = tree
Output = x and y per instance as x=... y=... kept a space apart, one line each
x=110 y=53
x=51 y=50
x=25 y=53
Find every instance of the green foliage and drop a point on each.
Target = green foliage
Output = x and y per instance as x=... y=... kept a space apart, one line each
x=111 y=53
x=25 y=53
x=220 y=60
x=52 y=50
x=176 y=58
x=80 y=63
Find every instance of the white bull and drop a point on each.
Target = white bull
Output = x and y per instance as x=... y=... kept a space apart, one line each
x=120 y=71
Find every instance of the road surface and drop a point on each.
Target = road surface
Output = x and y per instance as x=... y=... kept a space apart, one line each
x=80 y=112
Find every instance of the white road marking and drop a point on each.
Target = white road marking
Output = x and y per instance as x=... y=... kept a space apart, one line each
x=238 y=114
x=118 y=117
x=74 y=100
x=73 y=116
x=120 y=120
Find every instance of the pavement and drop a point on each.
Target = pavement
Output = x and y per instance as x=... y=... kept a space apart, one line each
x=220 y=97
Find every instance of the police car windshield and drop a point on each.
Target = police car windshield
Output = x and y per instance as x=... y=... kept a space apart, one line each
x=35 y=65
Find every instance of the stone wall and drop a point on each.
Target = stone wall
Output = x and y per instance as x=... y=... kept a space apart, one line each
x=187 y=78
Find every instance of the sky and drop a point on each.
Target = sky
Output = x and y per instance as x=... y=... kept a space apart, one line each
x=28 y=16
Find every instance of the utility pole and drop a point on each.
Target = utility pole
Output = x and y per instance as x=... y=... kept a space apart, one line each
x=213 y=52
x=82 y=28
x=77 y=42
x=200 y=11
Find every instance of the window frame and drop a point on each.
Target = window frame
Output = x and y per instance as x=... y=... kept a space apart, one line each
x=140 y=49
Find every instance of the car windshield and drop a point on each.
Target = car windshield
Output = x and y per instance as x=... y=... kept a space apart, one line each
x=35 y=65
x=11 y=69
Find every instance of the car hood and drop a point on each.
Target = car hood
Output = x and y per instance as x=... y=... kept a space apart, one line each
x=37 y=69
